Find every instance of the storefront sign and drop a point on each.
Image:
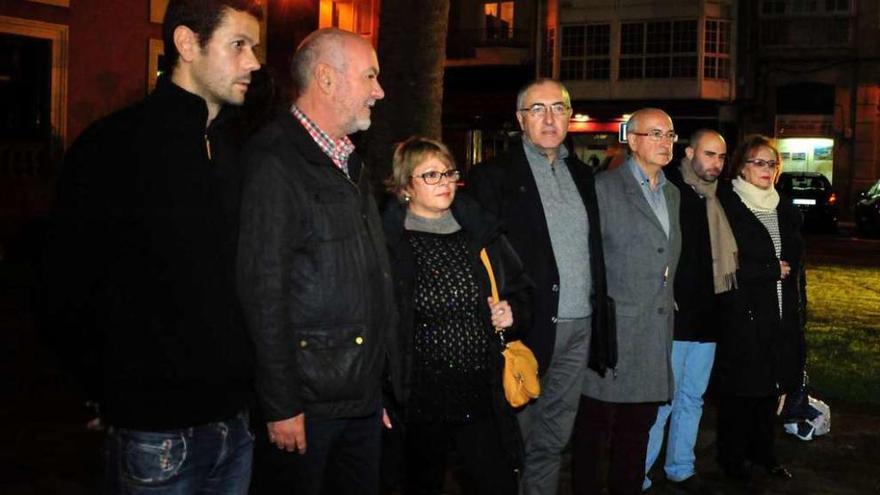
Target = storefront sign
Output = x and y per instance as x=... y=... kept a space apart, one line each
x=804 y=126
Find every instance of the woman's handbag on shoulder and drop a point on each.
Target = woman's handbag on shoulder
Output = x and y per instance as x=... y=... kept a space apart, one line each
x=520 y=375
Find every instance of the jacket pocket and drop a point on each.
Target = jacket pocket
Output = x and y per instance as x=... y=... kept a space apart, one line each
x=335 y=213
x=331 y=362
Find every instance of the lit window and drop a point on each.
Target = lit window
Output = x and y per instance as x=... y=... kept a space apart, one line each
x=499 y=20
x=349 y=15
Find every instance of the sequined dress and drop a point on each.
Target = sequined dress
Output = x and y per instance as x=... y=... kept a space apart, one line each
x=450 y=368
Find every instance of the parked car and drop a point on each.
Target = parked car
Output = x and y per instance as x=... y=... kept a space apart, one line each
x=811 y=192
x=867 y=210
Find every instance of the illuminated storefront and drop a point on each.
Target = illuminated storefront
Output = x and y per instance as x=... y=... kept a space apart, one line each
x=806 y=143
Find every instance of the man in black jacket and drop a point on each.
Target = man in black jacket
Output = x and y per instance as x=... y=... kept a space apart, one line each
x=547 y=200
x=314 y=277
x=141 y=264
x=707 y=267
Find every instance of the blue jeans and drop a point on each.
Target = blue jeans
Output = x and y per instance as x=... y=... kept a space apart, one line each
x=214 y=458
x=691 y=367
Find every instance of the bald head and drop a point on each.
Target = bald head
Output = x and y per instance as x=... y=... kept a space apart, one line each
x=637 y=121
x=650 y=135
x=706 y=154
x=337 y=80
x=325 y=46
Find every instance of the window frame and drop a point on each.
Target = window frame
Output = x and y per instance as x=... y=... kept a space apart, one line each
x=652 y=62
x=588 y=63
x=716 y=58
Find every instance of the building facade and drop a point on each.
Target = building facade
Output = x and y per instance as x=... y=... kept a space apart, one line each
x=806 y=72
x=811 y=78
x=491 y=48
x=64 y=65
x=61 y=68
x=616 y=56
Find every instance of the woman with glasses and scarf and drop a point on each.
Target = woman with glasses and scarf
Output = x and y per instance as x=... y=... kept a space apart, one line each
x=760 y=355
x=453 y=394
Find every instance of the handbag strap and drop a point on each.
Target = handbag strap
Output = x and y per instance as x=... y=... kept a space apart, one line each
x=484 y=257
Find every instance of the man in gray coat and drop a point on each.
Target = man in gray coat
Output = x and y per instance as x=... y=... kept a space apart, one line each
x=638 y=211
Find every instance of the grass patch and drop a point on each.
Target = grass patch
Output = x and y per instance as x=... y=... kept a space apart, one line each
x=843 y=332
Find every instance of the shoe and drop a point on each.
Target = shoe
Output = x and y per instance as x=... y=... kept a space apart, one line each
x=691 y=485
x=779 y=471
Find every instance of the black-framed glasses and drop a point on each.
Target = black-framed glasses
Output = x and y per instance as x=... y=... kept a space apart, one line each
x=434 y=177
x=768 y=164
x=558 y=109
x=658 y=135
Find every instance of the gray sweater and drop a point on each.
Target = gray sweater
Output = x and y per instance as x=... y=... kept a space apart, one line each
x=569 y=229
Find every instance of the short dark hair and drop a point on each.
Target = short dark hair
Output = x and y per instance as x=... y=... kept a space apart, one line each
x=202 y=17
x=698 y=135
x=750 y=143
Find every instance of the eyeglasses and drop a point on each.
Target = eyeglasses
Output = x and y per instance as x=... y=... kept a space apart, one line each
x=434 y=177
x=658 y=135
x=768 y=164
x=540 y=109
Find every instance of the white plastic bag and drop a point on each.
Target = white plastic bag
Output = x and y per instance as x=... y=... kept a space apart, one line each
x=822 y=423
x=807 y=429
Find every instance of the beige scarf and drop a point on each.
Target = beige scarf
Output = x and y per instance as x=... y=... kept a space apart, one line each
x=724 y=250
x=754 y=197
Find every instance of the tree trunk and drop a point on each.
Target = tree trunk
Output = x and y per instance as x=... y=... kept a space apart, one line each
x=412 y=49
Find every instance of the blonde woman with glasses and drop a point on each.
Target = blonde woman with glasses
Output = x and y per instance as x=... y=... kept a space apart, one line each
x=453 y=397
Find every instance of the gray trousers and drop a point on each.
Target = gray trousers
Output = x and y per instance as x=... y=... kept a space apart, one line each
x=546 y=423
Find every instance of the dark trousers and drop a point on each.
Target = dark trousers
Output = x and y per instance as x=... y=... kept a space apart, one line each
x=746 y=431
x=485 y=464
x=342 y=456
x=621 y=430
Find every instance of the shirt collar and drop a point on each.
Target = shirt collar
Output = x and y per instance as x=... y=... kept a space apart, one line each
x=338 y=150
x=643 y=180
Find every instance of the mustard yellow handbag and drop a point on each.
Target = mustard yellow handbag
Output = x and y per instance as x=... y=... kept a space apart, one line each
x=520 y=375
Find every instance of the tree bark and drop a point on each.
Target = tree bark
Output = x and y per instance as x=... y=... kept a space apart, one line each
x=412 y=50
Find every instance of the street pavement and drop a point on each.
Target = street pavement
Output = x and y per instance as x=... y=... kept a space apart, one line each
x=844 y=248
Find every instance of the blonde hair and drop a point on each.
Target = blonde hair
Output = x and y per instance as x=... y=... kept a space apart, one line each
x=750 y=144
x=410 y=154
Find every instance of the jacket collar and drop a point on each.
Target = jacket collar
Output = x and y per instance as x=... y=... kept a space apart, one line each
x=184 y=111
x=311 y=152
x=633 y=188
